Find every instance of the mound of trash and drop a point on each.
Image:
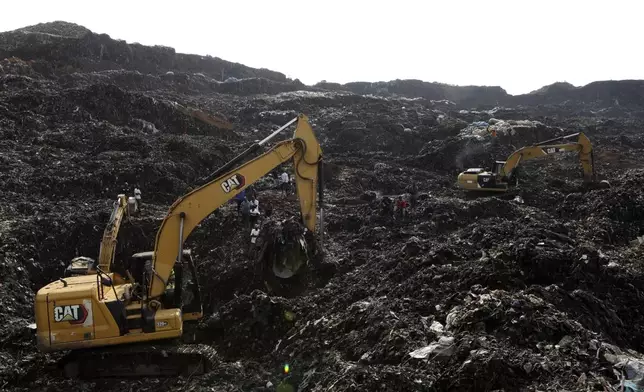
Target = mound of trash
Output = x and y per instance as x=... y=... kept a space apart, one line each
x=536 y=289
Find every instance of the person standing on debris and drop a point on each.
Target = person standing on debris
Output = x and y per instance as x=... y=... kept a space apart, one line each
x=254 y=210
x=239 y=198
x=387 y=207
x=137 y=197
x=491 y=131
x=254 y=233
x=251 y=192
x=245 y=212
x=401 y=207
x=268 y=210
x=284 y=182
x=414 y=197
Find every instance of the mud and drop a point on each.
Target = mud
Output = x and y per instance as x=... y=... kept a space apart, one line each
x=537 y=290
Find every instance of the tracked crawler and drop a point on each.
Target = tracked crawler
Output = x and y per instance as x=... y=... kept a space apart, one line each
x=92 y=313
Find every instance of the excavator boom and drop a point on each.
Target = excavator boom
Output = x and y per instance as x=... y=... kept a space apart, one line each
x=189 y=210
x=548 y=147
x=122 y=207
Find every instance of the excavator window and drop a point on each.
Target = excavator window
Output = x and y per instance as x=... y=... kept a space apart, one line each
x=498 y=165
x=475 y=170
x=182 y=290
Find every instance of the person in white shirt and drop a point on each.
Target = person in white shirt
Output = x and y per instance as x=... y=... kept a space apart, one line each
x=137 y=197
x=284 y=182
x=254 y=210
x=254 y=234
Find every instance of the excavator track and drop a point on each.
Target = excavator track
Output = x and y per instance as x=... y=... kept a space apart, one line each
x=158 y=360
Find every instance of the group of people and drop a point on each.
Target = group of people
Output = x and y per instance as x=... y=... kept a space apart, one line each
x=250 y=214
x=403 y=206
x=248 y=207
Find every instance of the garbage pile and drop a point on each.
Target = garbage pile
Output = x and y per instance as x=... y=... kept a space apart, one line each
x=540 y=290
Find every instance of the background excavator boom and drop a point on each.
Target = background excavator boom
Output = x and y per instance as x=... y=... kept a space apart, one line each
x=106 y=254
x=189 y=210
x=547 y=147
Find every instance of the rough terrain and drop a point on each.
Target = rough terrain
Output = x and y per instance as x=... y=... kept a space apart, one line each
x=541 y=290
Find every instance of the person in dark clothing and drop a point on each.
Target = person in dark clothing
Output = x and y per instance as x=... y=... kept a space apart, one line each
x=239 y=198
x=387 y=207
x=268 y=210
x=251 y=192
x=245 y=213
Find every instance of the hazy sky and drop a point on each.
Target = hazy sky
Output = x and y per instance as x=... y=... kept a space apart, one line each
x=519 y=45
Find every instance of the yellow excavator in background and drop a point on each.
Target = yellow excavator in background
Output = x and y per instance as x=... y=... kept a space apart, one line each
x=90 y=314
x=123 y=206
x=503 y=174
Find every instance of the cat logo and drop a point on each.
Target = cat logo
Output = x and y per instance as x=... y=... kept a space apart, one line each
x=75 y=314
x=161 y=324
x=552 y=150
x=235 y=181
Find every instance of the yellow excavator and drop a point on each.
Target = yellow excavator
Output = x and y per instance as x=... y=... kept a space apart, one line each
x=123 y=206
x=130 y=325
x=503 y=174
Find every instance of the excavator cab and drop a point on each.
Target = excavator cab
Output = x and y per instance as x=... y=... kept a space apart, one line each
x=182 y=291
x=498 y=165
x=481 y=179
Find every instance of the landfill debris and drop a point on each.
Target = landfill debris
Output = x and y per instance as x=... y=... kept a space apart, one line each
x=537 y=289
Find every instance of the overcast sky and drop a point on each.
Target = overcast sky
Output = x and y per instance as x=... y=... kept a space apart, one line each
x=519 y=45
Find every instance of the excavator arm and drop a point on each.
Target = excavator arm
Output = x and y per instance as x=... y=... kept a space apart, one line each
x=122 y=207
x=189 y=210
x=582 y=145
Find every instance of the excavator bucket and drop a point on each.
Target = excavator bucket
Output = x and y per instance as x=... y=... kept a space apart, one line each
x=290 y=259
x=286 y=257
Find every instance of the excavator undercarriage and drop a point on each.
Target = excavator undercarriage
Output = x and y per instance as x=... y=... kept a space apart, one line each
x=161 y=359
